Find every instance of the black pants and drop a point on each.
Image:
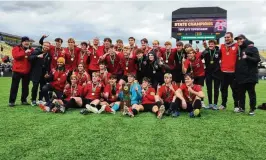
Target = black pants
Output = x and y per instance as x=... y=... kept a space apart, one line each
x=229 y=79
x=250 y=88
x=34 y=89
x=46 y=88
x=15 y=84
x=210 y=79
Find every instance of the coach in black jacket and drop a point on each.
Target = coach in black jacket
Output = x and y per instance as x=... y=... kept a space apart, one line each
x=40 y=65
x=247 y=72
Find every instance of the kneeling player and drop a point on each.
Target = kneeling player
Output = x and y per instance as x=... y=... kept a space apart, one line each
x=71 y=98
x=92 y=95
x=190 y=95
x=165 y=98
x=148 y=99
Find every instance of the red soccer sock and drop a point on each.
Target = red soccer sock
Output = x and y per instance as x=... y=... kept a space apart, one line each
x=108 y=109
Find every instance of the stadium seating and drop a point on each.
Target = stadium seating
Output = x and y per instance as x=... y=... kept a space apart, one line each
x=7 y=49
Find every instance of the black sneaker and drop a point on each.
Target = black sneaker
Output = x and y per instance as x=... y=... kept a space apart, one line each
x=25 y=103
x=84 y=111
x=11 y=104
x=251 y=113
x=168 y=112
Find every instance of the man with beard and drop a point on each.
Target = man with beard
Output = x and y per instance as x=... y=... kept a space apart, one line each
x=21 y=68
x=229 y=52
x=55 y=51
x=72 y=52
x=247 y=72
x=40 y=62
x=145 y=47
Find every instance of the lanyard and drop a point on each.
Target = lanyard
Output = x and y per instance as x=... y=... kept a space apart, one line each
x=168 y=55
x=180 y=56
x=212 y=54
x=93 y=88
x=112 y=60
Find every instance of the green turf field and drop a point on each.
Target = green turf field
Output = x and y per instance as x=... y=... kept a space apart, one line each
x=28 y=133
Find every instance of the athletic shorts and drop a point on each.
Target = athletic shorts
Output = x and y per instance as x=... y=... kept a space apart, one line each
x=199 y=80
x=148 y=107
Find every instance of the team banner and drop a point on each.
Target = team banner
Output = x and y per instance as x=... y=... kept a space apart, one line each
x=204 y=25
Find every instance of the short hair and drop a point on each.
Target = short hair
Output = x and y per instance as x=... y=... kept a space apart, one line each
x=146 y=79
x=70 y=40
x=96 y=74
x=168 y=75
x=131 y=38
x=230 y=33
x=107 y=39
x=190 y=75
x=212 y=41
x=82 y=64
x=46 y=42
x=131 y=75
x=126 y=47
x=59 y=40
x=73 y=76
x=156 y=41
x=119 y=41
x=84 y=43
x=61 y=60
x=179 y=43
x=189 y=49
x=187 y=45
x=144 y=40
x=102 y=63
x=112 y=46
x=113 y=76
x=138 y=51
x=167 y=43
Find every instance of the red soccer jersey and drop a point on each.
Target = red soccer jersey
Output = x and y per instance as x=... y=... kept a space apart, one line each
x=94 y=57
x=72 y=91
x=133 y=50
x=113 y=92
x=92 y=91
x=189 y=97
x=59 y=79
x=104 y=77
x=21 y=63
x=148 y=96
x=55 y=53
x=196 y=66
x=113 y=64
x=82 y=78
x=147 y=50
x=128 y=65
x=72 y=58
x=228 y=57
x=166 y=93
x=169 y=57
x=83 y=58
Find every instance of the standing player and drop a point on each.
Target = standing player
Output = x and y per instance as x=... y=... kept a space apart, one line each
x=180 y=57
x=72 y=53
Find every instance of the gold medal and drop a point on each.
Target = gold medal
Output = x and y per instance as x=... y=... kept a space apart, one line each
x=211 y=62
x=154 y=72
x=58 y=79
x=26 y=56
x=81 y=61
x=72 y=59
x=126 y=68
x=166 y=61
x=93 y=94
x=55 y=58
x=94 y=56
x=239 y=58
x=227 y=53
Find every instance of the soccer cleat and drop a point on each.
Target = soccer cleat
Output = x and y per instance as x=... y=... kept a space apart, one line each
x=221 y=107
x=102 y=109
x=251 y=113
x=11 y=104
x=168 y=112
x=130 y=112
x=191 y=114
x=208 y=107
x=125 y=110
x=92 y=109
x=196 y=112
x=214 y=107
x=238 y=110
x=175 y=114
x=25 y=103
x=84 y=111
x=161 y=111
x=203 y=104
x=44 y=108
x=33 y=103
x=62 y=109
x=55 y=110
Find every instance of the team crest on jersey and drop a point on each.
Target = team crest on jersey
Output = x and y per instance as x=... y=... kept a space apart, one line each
x=233 y=48
x=216 y=55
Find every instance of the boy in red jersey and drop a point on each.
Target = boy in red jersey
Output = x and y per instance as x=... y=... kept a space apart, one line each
x=82 y=76
x=83 y=55
x=165 y=98
x=190 y=95
x=104 y=74
x=92 y=95
x=72 y=53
